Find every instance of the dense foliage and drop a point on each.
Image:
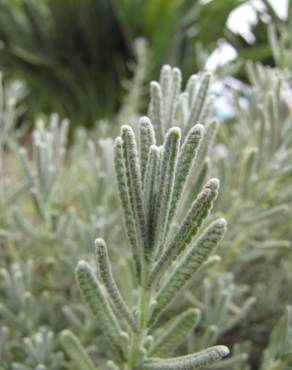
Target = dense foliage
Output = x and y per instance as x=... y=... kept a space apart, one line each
x=56 y=200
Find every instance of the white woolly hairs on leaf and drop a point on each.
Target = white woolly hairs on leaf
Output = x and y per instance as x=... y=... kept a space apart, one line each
x=199 y=102
x=99 y=305
x=166 y=181
x=75 y=351
x=187 y=230
x=110 y=284
x=150 y=189
x=135 y=185
x=147 y=139
x=175 y=333
x=129 y=220
x=189 y=362
x=156 y=109
x=189 y=264
x=187 y=156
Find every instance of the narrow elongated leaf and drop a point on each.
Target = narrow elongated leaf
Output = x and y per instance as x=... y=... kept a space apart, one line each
x=166 y=182
x=156 y=109
x=151 y=194
x=206 y=143
x=76 y=351
x=175 y=333
x=165 y=80
x=173 y=97
x=188 y=229
x=135 y=186
x=190 y=263
x=199 y=102
x=110 y=284
x=120 y=171
x=147 y=138
x=189 y=362
x=186 y=158
x=94 y=297
x=191 y=88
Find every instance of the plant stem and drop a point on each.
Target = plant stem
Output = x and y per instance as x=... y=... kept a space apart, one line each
x=144 y=302
x=136 y=340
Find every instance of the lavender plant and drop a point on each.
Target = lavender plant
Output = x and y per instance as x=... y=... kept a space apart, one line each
x=194 y=105
x=41 y=353
x=150 y=181
x=253 y=163
x=254 y=168
x=157 y=292
x=278 y=352
x=41 y=175
x=25 y=313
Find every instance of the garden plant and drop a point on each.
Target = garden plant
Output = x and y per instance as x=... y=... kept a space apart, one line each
x=115 y=253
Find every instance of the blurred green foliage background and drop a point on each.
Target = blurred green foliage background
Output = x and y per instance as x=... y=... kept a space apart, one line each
x=74 y=56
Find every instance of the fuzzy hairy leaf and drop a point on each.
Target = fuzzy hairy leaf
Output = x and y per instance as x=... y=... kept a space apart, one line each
x=186 y=158
x=198 y=102
x=121 y=177
x=110 y=283
x=135 y=185
x=206 y=143
x=189 y=362
x=94 y=297
x=188 y=229
x=172 y=100
x=147 y=138
x=156 y=109
x=175 y=333
x=165 y=80
x=75 y=351
x=150 y=193
x=166 y=181
x=189 y=264
x=191 y=88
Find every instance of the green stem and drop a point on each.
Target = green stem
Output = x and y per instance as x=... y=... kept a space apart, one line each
x=137 y=338
x=136 y=341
